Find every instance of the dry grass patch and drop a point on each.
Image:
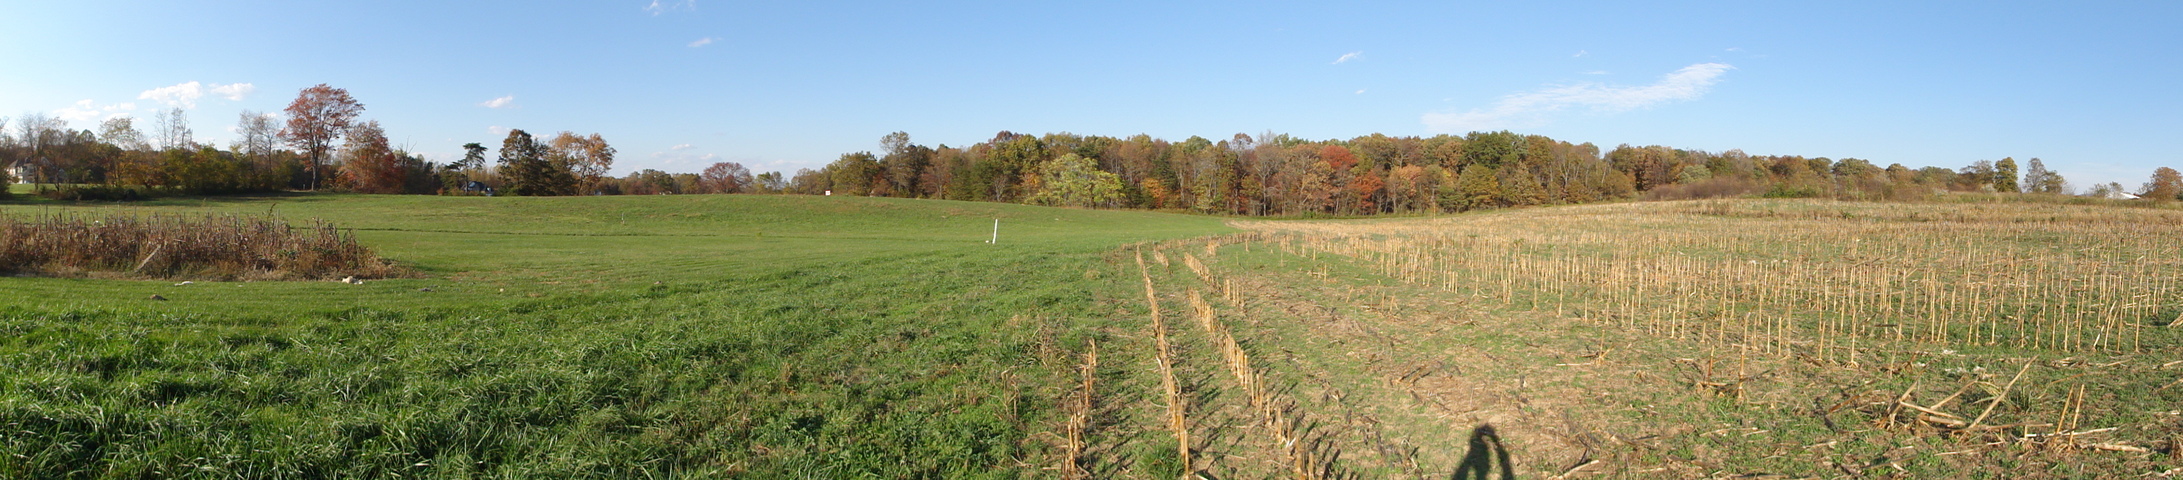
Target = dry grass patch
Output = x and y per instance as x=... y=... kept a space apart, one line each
x=211 y=247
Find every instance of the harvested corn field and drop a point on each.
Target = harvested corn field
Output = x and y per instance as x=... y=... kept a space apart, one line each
x=1715 y=339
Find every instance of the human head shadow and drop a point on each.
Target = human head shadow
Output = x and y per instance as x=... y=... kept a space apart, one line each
x=1485 y=451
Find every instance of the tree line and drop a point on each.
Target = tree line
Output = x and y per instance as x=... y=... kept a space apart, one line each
x=1278 y=174
x=320 y=142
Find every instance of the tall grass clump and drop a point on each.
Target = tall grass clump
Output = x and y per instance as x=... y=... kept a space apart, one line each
x=221 y=247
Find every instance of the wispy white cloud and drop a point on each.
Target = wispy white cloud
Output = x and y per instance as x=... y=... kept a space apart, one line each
x=234 y=91
x=1346 y=57
x=702 y=42
x=1360 y=91
x=680 y=147
x=1532 y=108
x=498 y=102
x=185 y=95
x=1581 y=54
x=85 y=112
x=497 y=130
x=1596 y=72
x=657 y=7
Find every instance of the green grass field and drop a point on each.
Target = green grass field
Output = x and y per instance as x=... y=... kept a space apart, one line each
x=833 y=337
x=575 y=337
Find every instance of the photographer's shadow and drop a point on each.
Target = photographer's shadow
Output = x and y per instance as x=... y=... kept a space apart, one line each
x=1485 y=451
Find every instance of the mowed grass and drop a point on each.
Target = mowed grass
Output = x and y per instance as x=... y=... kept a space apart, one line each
x=761 y=336
x=500 y=250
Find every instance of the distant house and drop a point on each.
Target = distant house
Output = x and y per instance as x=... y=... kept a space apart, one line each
x=477 y=187
x=19 y=171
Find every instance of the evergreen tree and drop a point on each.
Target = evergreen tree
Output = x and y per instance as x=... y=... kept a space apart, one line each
x=523 y=163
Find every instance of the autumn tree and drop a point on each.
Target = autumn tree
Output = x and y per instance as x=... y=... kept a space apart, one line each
x=2166 y=185
x=1410 y=187
x=1859 y=179
x=121 y=141
x=2005 y=176
x=1978 y=175
x=724 y=177
x=318 y=116
x=1337 y=157
x=652 y=182
x=904 y=164
x=585 y=158
x=1654 y=166
x=1519 y=186
x=1011 y=156
x=685 y=182
x=1074 y=181
x=1366 y=188
x=2038 y=179
x=854 y=174
x=1477 y=188
x=368 y=164
x=810 y=182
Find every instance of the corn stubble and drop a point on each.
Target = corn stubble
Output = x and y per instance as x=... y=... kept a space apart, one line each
x=1825 y=282
x=1300 y=454
x=1171 y=391
x=1857 y=291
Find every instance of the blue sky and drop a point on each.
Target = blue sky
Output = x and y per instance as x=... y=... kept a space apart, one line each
x=675 y=85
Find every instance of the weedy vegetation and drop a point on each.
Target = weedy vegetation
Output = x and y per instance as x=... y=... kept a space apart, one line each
x=211 y=247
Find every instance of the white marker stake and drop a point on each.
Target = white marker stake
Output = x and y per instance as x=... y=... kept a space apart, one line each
x=996 y=232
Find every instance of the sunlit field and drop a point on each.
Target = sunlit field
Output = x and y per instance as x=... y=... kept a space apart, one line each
x=796 y=336
x=575 y=337
x=1709 y=339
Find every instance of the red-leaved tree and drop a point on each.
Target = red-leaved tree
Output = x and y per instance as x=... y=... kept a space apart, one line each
x=724 y=177
x=319 y=115
x=368 y=165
